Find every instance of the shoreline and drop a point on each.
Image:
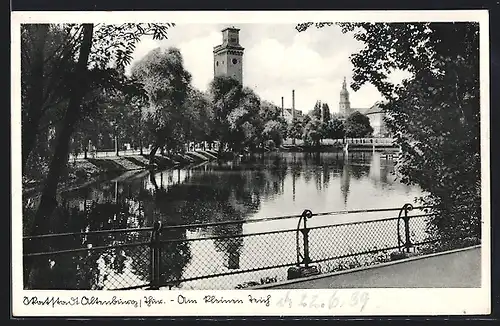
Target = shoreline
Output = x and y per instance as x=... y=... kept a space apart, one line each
x=91 y=170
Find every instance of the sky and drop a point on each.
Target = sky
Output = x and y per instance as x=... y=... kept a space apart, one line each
x=277 y=60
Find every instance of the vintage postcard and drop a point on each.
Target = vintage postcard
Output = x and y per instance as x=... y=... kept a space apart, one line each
x=250 y=163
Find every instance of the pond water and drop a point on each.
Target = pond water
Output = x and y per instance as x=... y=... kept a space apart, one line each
x=245 y=190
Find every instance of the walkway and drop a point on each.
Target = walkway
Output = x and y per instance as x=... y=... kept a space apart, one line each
x=456 y=269
x=134 y=152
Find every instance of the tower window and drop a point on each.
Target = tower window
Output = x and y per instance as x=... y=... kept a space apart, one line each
x=235 y=61
x=217 y=63
x=232 y=40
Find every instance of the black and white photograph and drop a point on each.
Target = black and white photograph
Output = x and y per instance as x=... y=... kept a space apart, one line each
x=313 y=154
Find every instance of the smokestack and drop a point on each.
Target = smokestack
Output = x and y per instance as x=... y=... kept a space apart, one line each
x=293 y=104
x=282 y=107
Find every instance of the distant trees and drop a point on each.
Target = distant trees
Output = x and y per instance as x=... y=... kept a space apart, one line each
x=296 y=128
x=226 y=95
x=326 y=112
x=313 y=132
x=434 y=114
x=275 y=127
x=241 y=120
x=316 y=111
x=167 y=84
x=334 y=129
x=357 y=125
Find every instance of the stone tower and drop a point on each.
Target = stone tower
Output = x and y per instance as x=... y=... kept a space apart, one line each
x=228 y=56
x=344 y=104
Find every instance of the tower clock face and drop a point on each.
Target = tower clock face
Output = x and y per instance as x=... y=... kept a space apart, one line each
x=235 y=61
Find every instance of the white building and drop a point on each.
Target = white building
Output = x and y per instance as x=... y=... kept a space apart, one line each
x=376 y=116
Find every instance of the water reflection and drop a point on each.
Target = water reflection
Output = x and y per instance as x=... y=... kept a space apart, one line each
x=259 y=186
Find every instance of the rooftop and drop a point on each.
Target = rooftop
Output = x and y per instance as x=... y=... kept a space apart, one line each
x=230 y=28
x=297 y=111
x=375 y=108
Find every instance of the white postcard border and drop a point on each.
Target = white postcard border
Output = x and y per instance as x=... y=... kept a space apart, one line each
x=381 y=301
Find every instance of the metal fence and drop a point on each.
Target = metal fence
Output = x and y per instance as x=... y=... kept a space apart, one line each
x=225 y=255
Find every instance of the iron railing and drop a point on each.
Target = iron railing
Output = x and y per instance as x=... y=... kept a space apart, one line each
x=225 y=255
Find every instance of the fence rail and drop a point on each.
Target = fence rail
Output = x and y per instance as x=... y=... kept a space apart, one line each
x=382 y=141
x=221 y=255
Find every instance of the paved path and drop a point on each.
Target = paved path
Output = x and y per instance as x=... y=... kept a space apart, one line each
x=458 y=269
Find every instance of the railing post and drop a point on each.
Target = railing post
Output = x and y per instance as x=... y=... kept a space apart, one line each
x=305 y=236
x=155 y=256
x=406 y=220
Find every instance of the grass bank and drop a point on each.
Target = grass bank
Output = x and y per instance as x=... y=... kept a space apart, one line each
x=92 y=169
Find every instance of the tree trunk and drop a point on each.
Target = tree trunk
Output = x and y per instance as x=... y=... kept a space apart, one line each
x=221 y=148
x=48 y=202
x=34 y=94
x=152 y=179
x=152 y=154
x=116 y=145
x=59 y=161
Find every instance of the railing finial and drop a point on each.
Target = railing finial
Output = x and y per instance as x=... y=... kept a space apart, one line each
x=307 y=213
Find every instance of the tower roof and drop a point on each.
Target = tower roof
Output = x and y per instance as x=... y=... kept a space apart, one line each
x=344 y=90
x=232 y=28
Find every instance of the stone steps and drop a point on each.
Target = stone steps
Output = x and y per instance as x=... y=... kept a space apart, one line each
x=198 y=155
x=126 y=164
x=210 y=155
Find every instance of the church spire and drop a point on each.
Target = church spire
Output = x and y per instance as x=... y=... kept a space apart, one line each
x=344 y=104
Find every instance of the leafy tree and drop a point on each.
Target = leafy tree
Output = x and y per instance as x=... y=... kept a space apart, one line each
x=316 y=112
x=166 y=83
x=226 y=94
x=326 y=112
x=296 y=129
x=334 y=129
x=243 y=121
x=313 y=132
x=433 y=115
x=93 y=48
x=199 y=116
x=45 y=67
x=269 y=111
x=306 y=119
x=273 y=131
x=272 y=125
x=357 y=125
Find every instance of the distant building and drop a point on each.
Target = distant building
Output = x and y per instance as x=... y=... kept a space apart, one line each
x=344 y=103
x=228 y=56
x=287 y=114
x=376 y=116
x=374 y=113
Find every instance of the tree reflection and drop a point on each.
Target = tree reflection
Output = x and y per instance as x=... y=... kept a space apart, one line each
x=84 y=269
x=230 y=246
x=345 y=182
x=231 y=191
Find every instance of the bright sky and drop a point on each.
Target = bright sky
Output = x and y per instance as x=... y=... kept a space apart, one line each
x=276 y=60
